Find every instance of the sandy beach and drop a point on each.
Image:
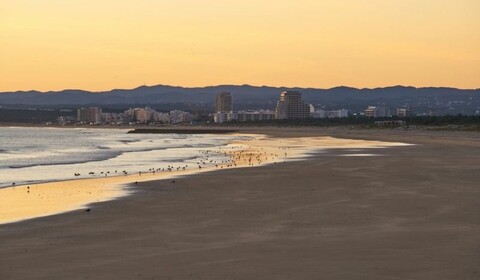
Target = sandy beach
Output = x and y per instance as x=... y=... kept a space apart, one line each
x=396 y=212
x=24 y=202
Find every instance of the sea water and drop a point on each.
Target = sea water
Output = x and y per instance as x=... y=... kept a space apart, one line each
x=34 y=155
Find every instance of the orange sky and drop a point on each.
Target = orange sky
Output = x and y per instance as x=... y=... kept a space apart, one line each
x=105 y=44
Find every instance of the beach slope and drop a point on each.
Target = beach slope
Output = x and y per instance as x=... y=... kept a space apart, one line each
x=404 y=213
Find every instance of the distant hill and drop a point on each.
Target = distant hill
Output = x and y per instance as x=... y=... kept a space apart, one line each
x=441 y=100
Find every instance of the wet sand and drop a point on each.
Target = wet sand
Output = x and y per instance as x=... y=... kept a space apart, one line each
x=407 y=213
x=20 y=203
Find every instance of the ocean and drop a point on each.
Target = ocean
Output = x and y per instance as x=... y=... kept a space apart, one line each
x=34 y=155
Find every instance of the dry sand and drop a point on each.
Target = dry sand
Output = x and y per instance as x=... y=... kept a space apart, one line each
x=408 y=213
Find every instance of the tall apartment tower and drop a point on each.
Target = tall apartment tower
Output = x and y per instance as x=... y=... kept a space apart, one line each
x=291 y=106
x=223 y=102
x=90 y=115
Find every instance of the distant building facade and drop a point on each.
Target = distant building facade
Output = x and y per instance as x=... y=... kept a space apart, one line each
x=332 y=114
x=394 y=123
x=223 y=102
x=160 y=117
x=142 y=115
x=404 y=112
x=177 y=116
x=221 y=117
x=112 y=118
x=377 y=111
x=131 y=116
x=244 y=116
x=89 y=115
x=261 y=115
x=291 y=106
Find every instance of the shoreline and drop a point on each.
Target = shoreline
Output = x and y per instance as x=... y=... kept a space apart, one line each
x=258 y=151
x=15 y=200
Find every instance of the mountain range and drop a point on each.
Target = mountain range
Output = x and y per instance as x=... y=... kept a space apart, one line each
x=441 y=99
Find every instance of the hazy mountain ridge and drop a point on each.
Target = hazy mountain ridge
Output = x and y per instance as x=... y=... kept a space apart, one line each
x=255 y=97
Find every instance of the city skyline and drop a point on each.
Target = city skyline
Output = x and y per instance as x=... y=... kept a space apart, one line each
x=55 y=45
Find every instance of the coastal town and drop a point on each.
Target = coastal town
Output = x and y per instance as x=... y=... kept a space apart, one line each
x=290 y=106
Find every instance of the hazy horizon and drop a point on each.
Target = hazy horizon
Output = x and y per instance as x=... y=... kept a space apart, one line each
x=53 y=45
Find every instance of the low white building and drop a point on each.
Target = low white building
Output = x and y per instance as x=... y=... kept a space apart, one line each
x=404 y=112
x=244 y=116
x=261 y=115
x=377 y=111
x=177 y=116
x=323 y=114
x=159 y=117
x=222 y=117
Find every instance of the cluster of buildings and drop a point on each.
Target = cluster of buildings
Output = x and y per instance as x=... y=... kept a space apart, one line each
x=289 y=106
x=94 y=115
x=224 y=111
x=244 y=116
x=383 y=111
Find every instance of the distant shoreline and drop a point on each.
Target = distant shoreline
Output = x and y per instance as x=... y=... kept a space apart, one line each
x=181 y=131
x=141 y=129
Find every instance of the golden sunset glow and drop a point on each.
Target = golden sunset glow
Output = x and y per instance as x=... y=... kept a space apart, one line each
x=105 y=44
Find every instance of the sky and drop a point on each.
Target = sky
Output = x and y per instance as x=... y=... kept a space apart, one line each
x=104 y=44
